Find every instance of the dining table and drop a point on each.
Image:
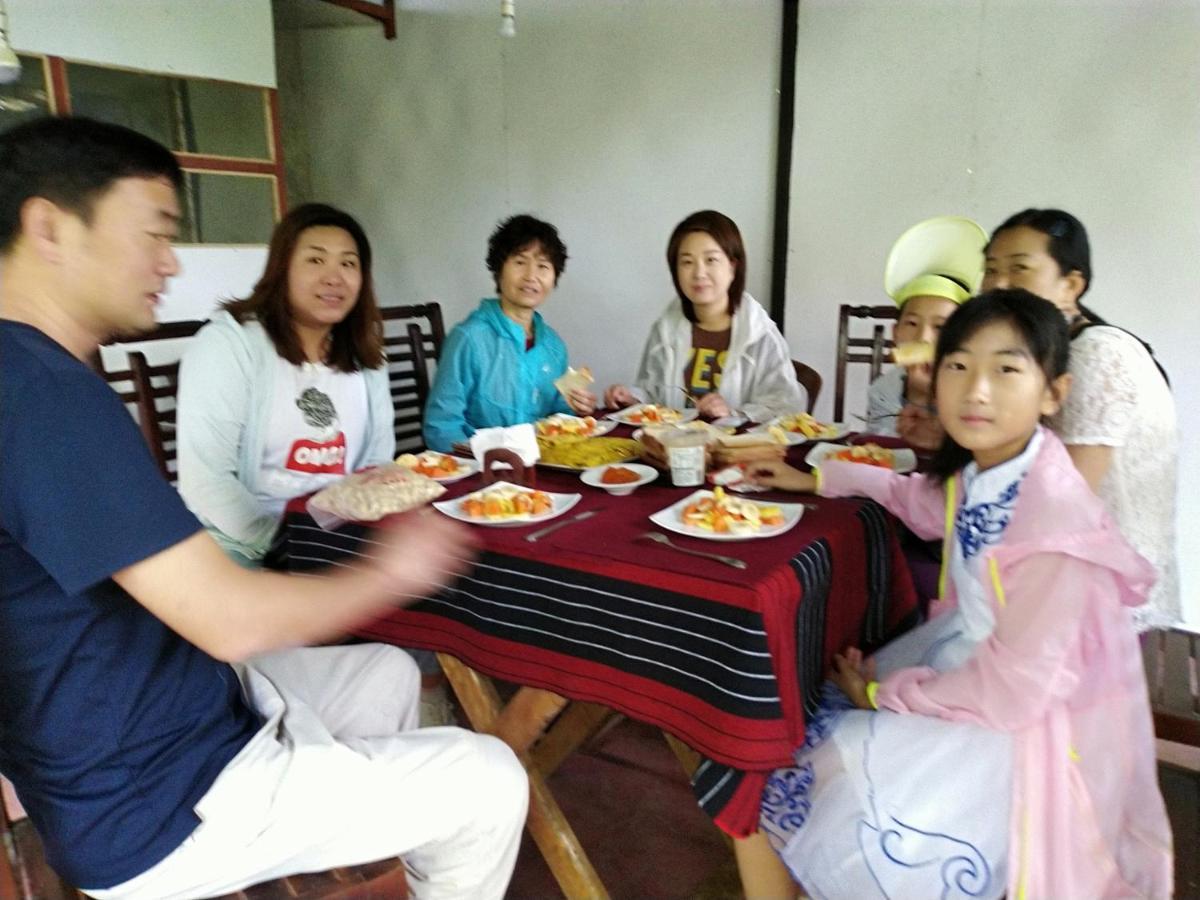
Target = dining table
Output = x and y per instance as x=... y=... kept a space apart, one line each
x=594 y=617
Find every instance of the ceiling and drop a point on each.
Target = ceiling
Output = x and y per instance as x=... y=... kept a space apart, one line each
x=319 y=14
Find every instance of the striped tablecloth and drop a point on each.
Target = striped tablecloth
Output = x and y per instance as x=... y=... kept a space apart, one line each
x=726 y=660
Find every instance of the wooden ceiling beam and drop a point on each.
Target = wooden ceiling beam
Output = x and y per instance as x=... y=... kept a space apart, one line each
x=384 y=12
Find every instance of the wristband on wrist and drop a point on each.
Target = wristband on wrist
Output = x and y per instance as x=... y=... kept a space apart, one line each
x=872 y=690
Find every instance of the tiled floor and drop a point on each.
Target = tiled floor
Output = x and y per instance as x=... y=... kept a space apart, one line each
x=630 y=804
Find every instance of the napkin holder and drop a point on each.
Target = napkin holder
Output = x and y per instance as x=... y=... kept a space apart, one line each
x=502 y=464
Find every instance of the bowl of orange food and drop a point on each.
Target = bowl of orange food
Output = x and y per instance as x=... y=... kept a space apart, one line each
x=619 y=479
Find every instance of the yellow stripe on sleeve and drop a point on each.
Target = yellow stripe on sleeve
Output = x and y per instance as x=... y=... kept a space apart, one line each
x=996 y=586
x=947 y=537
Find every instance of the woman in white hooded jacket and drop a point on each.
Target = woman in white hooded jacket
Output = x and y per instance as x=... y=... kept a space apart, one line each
x=714 y=342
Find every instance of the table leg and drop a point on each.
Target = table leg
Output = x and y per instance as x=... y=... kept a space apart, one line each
x=578 y=724
x=547 y=825
x=688 y=758
x=526 y=717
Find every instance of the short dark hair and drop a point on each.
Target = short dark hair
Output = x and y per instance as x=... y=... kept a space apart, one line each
x=515 y=234
x=1042 y=328
x=71 y=162
x=358 y=338
x=724 y=231
x=1068 y=239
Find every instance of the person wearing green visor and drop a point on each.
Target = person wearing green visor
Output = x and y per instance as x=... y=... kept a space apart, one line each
x=934 y=266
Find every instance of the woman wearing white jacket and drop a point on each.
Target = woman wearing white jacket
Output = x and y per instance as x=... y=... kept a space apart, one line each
x=287 y=390
x=714 y=342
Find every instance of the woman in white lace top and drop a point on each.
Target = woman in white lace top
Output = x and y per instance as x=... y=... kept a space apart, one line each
x=1119 y=422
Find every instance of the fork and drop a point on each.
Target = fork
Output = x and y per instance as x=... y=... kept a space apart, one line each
x=663 y=539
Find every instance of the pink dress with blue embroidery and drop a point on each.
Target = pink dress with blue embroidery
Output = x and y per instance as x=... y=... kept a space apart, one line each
x=989 y=768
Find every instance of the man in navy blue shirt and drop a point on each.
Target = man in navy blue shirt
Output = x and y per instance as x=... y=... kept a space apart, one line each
x=163 y=739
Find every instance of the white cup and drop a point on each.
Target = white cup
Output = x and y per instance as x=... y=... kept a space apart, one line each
x=685 y=455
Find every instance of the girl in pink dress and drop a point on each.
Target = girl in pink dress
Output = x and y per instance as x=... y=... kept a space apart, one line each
x=1007 y=746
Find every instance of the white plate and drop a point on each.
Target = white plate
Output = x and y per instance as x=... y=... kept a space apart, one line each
x=602 y=427
x=466 y=468
x=560 y=503
x=795 y=437
x=903 y=459
x=622 y=415
x=669 y=519
x=591 y=477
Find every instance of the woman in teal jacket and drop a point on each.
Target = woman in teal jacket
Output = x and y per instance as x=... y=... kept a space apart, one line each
x=498 y=367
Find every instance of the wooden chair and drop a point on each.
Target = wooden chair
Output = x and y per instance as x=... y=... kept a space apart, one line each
x=412 y=337
x=24 y=875
x=1172 y=720
x=874 y=350
x=148 y=389
x=810 y=379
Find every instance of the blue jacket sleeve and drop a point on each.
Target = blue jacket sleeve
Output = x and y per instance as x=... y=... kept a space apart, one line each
x=446 y=409
x=556 y=354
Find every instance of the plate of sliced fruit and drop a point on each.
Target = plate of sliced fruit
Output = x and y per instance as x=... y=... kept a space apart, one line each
x=505 y=504
x=652 y=414
x=900 y=459
x=716 y=516
x=438 y=466
x=561 y=424
x=799 y=428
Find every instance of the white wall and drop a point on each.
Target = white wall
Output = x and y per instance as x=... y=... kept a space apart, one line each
x=225 y=39
x=611 y=120
x=985 y=107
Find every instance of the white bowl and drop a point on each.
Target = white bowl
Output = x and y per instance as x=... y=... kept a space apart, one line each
x=646 y=474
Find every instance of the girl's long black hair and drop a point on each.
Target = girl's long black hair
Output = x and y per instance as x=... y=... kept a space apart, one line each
x=1038 y=322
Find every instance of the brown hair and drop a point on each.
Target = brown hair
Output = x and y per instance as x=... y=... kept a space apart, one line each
x=357 y=341
x=724 y=231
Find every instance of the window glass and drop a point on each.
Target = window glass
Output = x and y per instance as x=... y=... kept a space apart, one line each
x=26 y=98
x=190 y=115
x=226 y=209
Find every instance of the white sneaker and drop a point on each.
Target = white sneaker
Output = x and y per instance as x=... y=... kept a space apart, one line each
x=436 y=708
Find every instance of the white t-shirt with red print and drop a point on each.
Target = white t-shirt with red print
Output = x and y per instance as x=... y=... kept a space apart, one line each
x=318 y=421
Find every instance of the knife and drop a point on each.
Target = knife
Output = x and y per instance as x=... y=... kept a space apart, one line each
x=533 y=537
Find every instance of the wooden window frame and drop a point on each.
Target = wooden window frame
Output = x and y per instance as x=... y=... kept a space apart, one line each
x=60 y=105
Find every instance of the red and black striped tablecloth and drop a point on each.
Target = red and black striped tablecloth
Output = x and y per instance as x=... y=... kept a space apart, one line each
x=726 y=660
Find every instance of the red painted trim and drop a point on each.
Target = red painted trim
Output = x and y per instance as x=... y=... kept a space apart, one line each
x=281 y=199
x=204 y=163
x=60 y=97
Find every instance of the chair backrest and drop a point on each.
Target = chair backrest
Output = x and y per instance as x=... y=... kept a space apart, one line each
x=874 y=350
x=810 y=379
x=24 y=874
x=412 y=337
x=149 y=383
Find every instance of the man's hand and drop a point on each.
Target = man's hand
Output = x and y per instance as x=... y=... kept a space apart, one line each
x=852 y=674
x=233 y=613
x=775 y=473
x=582 y=401
x=420 y=551
x=919 y=427
x=713 y=406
